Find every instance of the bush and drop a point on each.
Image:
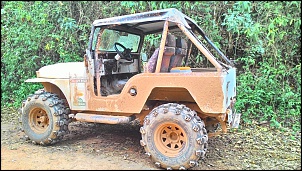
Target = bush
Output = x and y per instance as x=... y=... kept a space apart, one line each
x=264 y=38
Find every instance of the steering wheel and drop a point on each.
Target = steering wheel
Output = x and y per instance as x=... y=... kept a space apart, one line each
x=126 y=54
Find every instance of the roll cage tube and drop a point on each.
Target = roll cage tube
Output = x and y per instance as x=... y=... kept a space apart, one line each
x=201 y=32
x=200 y=46
x=91 y=38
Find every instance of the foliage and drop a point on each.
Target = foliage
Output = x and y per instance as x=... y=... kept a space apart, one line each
x=269 y=60
x=34 y=34
x=263 y=37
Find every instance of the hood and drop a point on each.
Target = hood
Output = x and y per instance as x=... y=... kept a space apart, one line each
x=62 y=70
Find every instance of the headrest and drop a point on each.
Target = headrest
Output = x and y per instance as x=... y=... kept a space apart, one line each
x=170 y=40
x=181 y=43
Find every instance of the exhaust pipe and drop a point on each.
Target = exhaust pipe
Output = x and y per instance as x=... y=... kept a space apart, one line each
x=106 y=119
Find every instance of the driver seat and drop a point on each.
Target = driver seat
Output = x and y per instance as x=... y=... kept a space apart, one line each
x=180 y=52
x=169 y=51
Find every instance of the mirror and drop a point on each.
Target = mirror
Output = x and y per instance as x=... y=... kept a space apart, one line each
x=123 y=34
x=144 y=57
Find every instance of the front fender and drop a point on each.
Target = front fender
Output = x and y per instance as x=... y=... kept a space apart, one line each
x=58 y=86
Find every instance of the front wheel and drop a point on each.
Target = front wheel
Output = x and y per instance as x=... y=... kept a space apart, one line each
x=44 y=118
x=174 y=136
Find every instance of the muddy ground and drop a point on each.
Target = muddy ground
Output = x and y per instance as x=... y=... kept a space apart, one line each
x=91 y=146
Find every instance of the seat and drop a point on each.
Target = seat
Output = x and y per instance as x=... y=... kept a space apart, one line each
x=169 y=51
x=180 y=52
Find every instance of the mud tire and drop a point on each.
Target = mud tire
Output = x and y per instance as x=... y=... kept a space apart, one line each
x=174 y=137
x=44 y=118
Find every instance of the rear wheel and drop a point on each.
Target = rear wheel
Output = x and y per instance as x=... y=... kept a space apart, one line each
x=174 y=136
x=44 y=118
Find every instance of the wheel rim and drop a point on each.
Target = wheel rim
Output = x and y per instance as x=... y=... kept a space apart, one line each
x=170 y=139
x=38 y=120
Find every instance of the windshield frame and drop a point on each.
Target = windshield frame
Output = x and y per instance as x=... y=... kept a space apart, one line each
x=115 y=35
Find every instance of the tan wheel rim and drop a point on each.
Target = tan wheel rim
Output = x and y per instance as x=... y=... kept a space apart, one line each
x=38 y=120
x=170 y=139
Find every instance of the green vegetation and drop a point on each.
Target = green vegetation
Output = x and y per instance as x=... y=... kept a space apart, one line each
x=263 y=37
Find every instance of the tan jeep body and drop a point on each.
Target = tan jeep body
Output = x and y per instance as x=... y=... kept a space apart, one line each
x=211 y=92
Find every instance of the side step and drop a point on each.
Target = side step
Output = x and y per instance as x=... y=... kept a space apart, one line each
x=107 y=119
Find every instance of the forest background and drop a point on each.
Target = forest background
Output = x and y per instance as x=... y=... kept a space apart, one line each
x=263 y=37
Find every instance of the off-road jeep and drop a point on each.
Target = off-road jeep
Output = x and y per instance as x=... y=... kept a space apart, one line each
x=177 y=106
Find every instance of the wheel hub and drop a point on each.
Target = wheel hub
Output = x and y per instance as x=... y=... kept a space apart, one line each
x=38 y=120
x=170 y=139
x=173 y=137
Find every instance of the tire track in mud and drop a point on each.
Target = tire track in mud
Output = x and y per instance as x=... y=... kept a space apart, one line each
x=91 y=146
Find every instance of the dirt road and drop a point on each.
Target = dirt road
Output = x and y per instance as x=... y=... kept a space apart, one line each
x=92 y=146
